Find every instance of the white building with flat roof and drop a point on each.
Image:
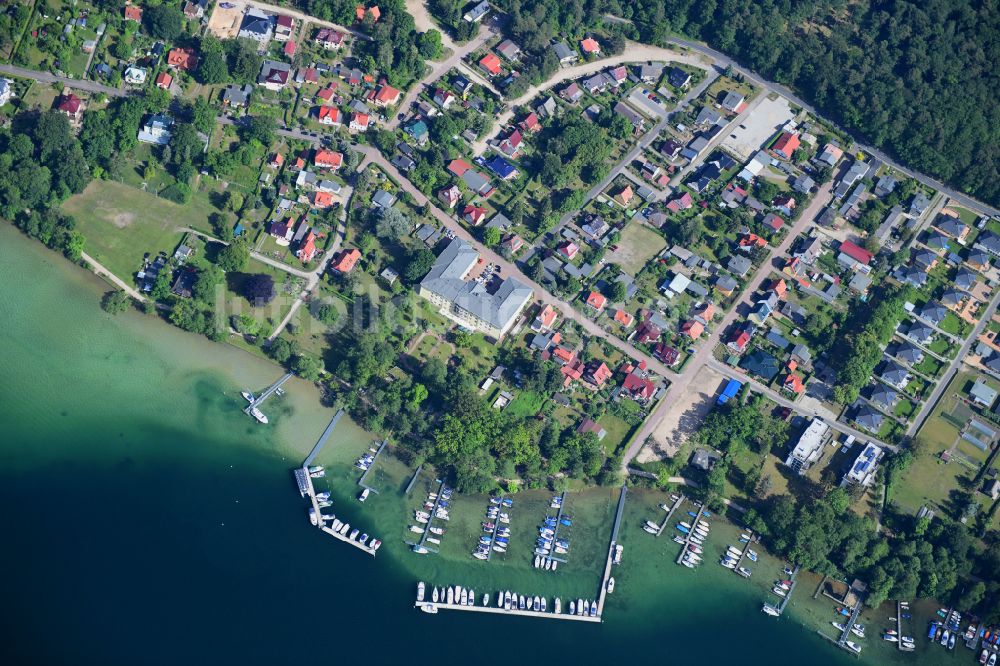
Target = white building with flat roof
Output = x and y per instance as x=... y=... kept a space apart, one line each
x=809 y=449
x=864 y=467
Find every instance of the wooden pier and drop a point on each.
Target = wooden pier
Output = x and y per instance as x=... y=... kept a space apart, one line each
x=321 y=442
x=361 y=481
x=788 y=596
x=743 y=553
x=602 y=595
x=687 y=537
x=268 y=392
x=430 y=521
x=413 y=480
x=513 y=611
x=851 y=621
x=670 y=513
x=496 y=526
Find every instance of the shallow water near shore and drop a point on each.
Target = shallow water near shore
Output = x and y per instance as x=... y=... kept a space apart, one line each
x=147 y=520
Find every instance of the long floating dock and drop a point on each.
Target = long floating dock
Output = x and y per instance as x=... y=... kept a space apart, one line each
x=788 y=595
x=321 y=442
x=602 y=595
x=501 y=611
x=555 y=530
x=413 y=480
x=687 y=537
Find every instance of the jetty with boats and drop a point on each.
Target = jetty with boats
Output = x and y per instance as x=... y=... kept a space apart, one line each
x=253 y=409
x=340 y=530
x=458 y=598
x=496 y=529
x=366 y=462
x=435 y=507
x=694 y=537
x=678 y=500
x=549 y=546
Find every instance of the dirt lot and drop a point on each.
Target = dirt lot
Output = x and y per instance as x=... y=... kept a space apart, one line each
x=225 y=23
x=683 y=417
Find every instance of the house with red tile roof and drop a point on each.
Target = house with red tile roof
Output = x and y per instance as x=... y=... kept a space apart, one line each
x=793 y=383
x=72 y=106
x=855 y=252
x=590 y=46
x=322 y=199
x=590 y=426
x=512 y=243
x=328 y=115
x=307 y=250
x=738 y=340
x=624 y=318
x=530 y=123
x=133 y=13
x=458 y=167
x=568 y=249
x=474 y=215
x=308 y=75
x=284 y=27
x=638 y=387
x=774 y=221
x=163 y=80
x=345 y=261
x=692 y=328
x=750 y=241
x=572 y=371
x=596 y=300
x=326 y=94
x=563 y=355
x=545 y=319
x=512 y=144
x=182 y=58
x=597 y=373
x=328 y=159
x=276 y=161
x=490 y=63
x=386 y=96
x=374 y=12
x=683 y=202
x=625 y=196
x=329 y=38
x=705 y=312
x=359 y=122
x=786 y=144
x=778 y=286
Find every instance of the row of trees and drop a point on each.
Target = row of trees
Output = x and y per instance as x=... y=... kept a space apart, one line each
x=859 y=346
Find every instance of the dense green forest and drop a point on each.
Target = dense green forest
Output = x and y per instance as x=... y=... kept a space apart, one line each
x=917 y=79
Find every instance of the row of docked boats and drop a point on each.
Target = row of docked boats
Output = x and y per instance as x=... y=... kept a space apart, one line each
x=317 y=471
x=365 y=461
x=549 y=544
x=457 y=595
x=435 y=507
x=692 y=536
x=948 y=630
x=496 y=529
x=731 y=560
x=356 y=535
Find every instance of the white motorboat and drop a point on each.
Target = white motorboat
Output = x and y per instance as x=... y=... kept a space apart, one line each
x=679 y=539
x=688 y=564
x=545 y=606
x=420 y=591
x=480 y=555
x=420 y=550
x=838 y=626
x=650 y=530
x=436 y=542
x=336 y=525
x=555 y=563
x=472 y=597
x=434 y=595
x=780 y=592
x=611 y=585
x=437 y=530
x=344 y=529
x=729 y=564
x=745 y=537
x=364 y=495
x=416 y=530
x=313 y=518
x=557 y=609
x=743 y=571
x=693 y=557
x=499 y=599
x=572 y=607
x=618 y=553
x=736 y=552
x=686 y=526
x=354 y=534
x=770 y=610
x=451 y=595
x=486 y=599
x=259 y=415
x=429 y=608
x=579 y=607
x=538 y=560
x=520 y=602
x=695 y=549
x=248 y=396
x=854 y=647
x=650 y=523
x=463 y=596
x=548 y=565
x=536 y=604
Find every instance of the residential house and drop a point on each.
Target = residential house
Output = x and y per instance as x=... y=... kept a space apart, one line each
x=284 y=27
x=474 y=215
x=329 y=38
x=383 y=199
x=490 y=63
x=374 y=13
x=509 y=50
x=163 y=81
x=865 y=467
x=668 y=355
x=345 y=261
x=868 y=418
x=624 y=197
x=647 y=333
x=953 y=227
x=590 y=46
x=477 y=12
x=895 y=375
x=236 y=97
x=854 y=256
x=359 y=122
x=739 y=338
x=478 y=183
x=72 y=106
x=195 y=9
x=274 y=75
x=692 y=328
x=156 y=130
x=808 y=448
x=571 y=93
x=589 y=426
x=678 y=78
x=328 y=159
x=386 y=95
x=883 y=397
x=624 y=318
x=803 y=184
x=733 y=102
x=512 y=144
x=468 y=302
x=564 y=53
x=596 y=300
x=831 y=154
x=637 y=387
x=933 y=312
x=738 y=265
x=328 y=115
x=307 y=249
x=135 y=76
x=450 y=196
x=568 y=249
x=185 y=59
x=545 y=320
x=257 y=25
x=786 y=145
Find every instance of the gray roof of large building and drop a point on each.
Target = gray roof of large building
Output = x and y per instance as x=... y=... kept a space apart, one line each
x=446 y=278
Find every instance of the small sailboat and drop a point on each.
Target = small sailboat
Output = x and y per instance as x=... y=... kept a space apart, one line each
x=486 y=599
x=572 y=607
x=854 y=647
x=770 y=610
x=435 y=595
x=364 y=495
x=451 y=595
x=611 y=584
x=557 y=606
x=420 y=591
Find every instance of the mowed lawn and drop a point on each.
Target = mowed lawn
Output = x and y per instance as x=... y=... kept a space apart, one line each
x=122 y=223
x=638 y=245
